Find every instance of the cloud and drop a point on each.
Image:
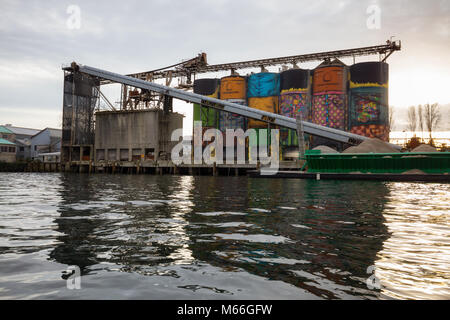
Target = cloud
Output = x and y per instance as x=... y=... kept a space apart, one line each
x=132 y=36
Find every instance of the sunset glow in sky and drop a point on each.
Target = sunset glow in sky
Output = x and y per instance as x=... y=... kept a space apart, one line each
x=133 y=36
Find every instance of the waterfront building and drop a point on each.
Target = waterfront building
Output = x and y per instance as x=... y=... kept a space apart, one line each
x=46 y=141
x=7 y=151
x=6 y=134
x=22 y=138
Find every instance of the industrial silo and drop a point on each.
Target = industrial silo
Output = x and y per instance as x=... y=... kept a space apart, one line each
x=208 y=116
x=233 y=89
x=329 y=99
x=263 y=90
x=369 y=112
x=295 y=98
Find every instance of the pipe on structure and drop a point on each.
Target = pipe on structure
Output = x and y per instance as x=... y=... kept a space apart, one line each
x=223 y=105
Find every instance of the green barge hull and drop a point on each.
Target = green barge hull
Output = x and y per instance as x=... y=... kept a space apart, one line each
x=428 y=162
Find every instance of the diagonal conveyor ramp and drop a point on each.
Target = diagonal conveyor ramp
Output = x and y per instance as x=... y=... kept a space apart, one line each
x=272 y=118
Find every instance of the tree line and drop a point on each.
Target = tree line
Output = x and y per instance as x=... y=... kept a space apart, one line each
x=424 y=118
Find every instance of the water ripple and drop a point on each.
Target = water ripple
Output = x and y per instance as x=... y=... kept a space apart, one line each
x=182 y=237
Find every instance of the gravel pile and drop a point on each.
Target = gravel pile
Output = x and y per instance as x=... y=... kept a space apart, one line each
x=325 y=149
x=414 y=171
x=373 y=145
x=424 y=148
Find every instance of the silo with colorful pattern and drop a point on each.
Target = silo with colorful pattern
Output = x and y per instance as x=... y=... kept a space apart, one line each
x=295 y=98
x=329 y=106
x=369 y=108
x=263 y=90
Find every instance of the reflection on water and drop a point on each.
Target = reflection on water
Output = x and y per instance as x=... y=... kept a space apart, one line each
x=183 y=237
x=415 y=260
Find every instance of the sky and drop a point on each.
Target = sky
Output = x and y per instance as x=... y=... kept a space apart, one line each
x=38 y=37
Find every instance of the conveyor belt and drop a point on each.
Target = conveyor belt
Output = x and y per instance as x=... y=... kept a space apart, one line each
x=272 y=118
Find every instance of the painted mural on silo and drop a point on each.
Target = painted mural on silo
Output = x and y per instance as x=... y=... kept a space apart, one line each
x=369 y=111
x=263 y=90
x=295 y=98
x=329 y=106
x=208 y=116
x=233 y=89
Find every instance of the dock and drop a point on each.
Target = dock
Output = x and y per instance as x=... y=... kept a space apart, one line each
x=162 y=167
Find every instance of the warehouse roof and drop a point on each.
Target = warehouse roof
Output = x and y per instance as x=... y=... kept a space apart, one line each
x=22 y=131
x=5 y=130
x=4 y=141
x=23 y=142
x=54 y=133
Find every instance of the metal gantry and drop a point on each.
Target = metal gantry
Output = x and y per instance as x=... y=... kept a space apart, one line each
x=185 y=70
x=199 y=64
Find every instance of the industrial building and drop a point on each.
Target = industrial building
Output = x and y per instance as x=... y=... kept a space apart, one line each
x=7 y=151
x=79 y=101
x=47 y=140
x=22 y=138
x=7 y=134
x=21 y=132
x=333 y=95
x=135 y=135
x=30 y=143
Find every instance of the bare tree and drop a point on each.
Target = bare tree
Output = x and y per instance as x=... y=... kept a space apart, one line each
x=391 y=120
x=432 y=117
x=420 y=116
x=412 y=119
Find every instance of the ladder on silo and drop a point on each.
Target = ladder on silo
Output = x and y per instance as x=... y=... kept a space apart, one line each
x=300 y=136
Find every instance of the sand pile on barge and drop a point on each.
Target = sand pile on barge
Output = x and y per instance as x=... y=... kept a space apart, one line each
x=424 y=148
x=414 y=171
x=373 y=145
x=325 y=149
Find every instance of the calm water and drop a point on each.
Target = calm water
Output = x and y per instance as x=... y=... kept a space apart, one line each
x=183 y=237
